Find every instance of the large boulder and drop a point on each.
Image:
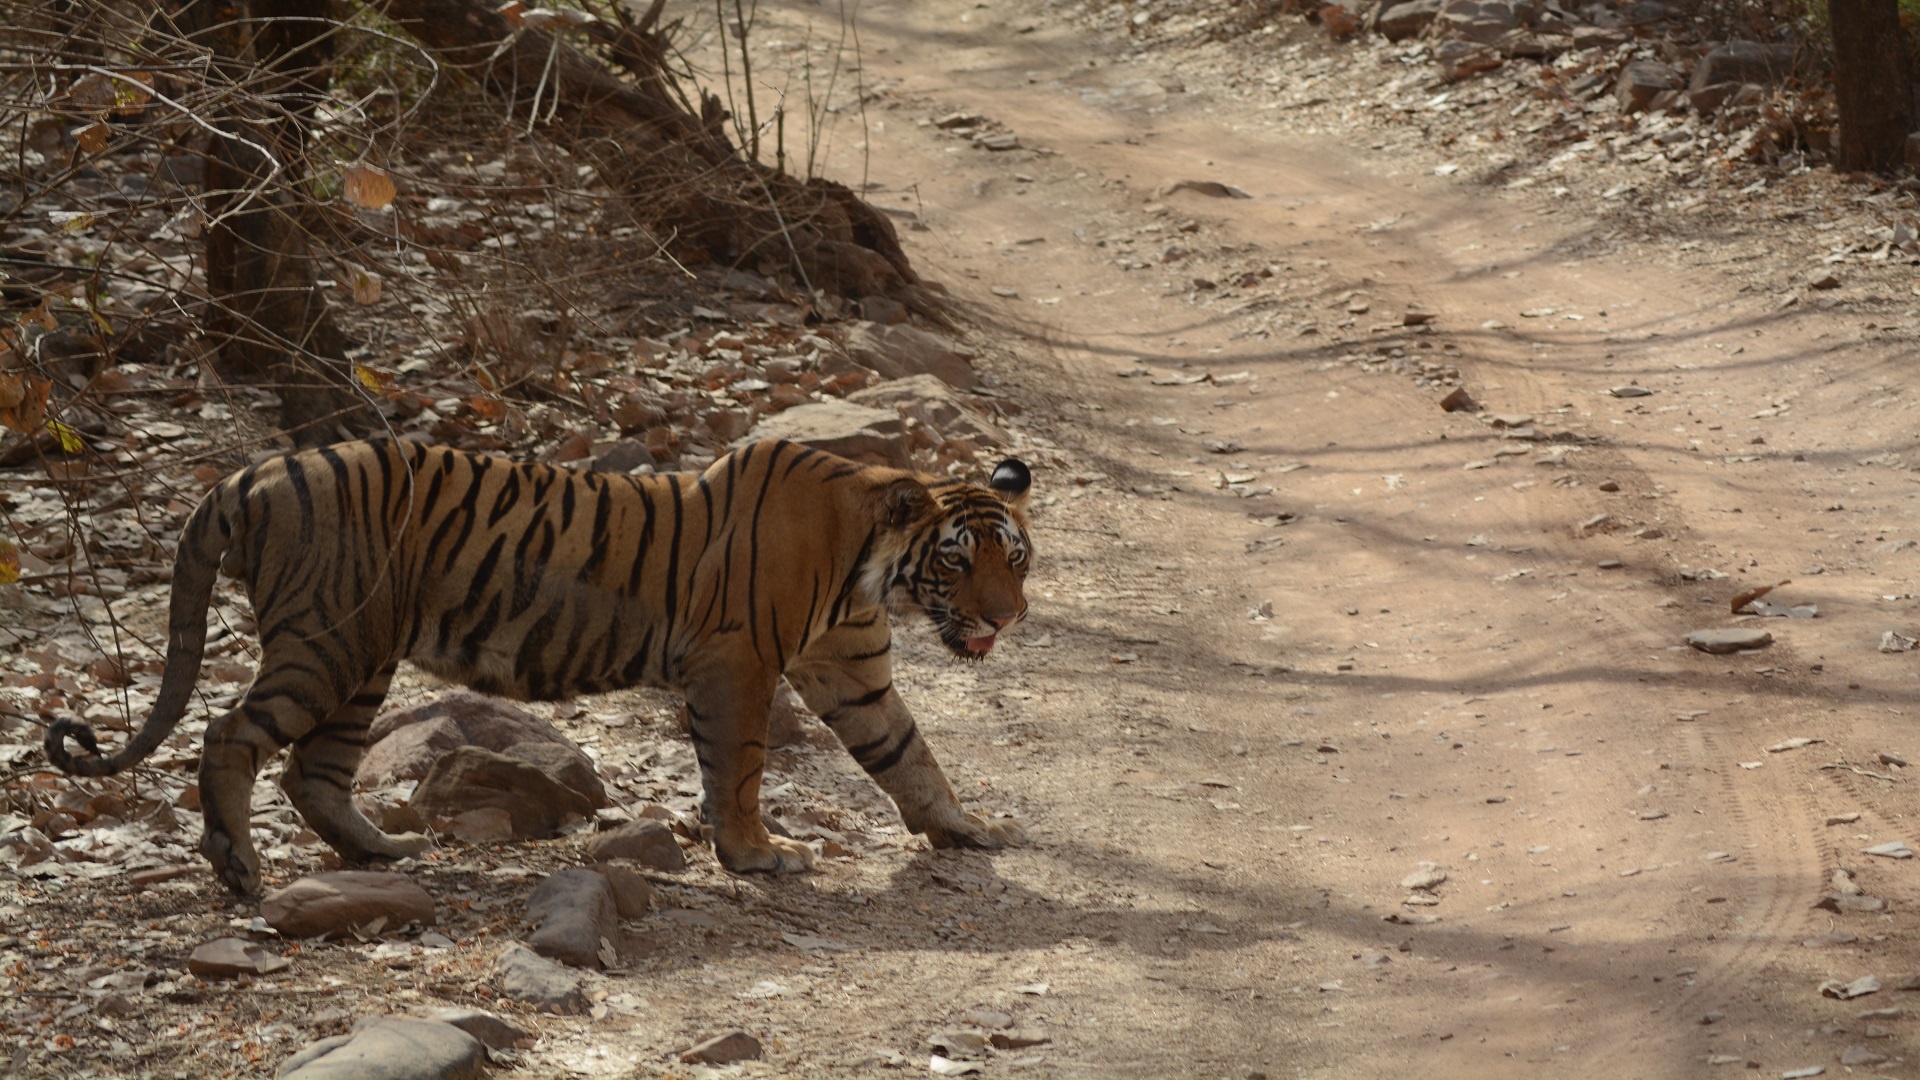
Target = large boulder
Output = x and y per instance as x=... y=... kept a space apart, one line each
x=337 y=901
x=474 y=778
x=874 y=436
x=900 y=351
x=404 y=744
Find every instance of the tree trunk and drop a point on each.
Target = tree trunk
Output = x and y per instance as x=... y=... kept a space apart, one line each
x=644 y=137
x=266 y=317
x=1870 y=82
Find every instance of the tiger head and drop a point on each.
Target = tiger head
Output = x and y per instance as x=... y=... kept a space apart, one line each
x=966 y=556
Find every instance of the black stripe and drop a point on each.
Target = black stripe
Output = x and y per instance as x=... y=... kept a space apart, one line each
x=892 y=759
x=506 y=500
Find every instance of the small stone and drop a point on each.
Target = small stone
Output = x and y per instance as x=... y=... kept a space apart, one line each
x=1730 y=640
x=1803 y=1074
x=525 y=975
x=987 y=1018
x=1427 y=877
x=958 y=1044
x=1894 y=1013
x=1891 y=759
x=473 y=777
x=1843 y=819
x=154 y=875
x=1834 y=937
x=1892 y=849
x=391 y=1048
x=723 y=1050
x=1609 y=485
x=493 y=1031
x=1630 y=391
x=1840 y=902
x=228 y=957
x=336 y=902
x=633 y=894
x=1609 y=564
x=647 y=842
x=1860 y=1055
x=1458 y=400
x=1652 y=815
x=1018 y=1039
x=1823 y=279
x=1860 y=987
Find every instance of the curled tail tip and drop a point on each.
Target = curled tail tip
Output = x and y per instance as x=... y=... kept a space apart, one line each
x=56 y=746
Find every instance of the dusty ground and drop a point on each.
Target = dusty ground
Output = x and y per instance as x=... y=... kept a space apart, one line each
x=1261 y=687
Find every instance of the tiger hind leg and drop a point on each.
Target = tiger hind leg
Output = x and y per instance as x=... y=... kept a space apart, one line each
x=846 y=678
x=237 y=744
x=319 y=780
x=728 y=721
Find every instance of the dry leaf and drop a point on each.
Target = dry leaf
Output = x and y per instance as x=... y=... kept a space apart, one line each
x=9 y=563
x=70 y=440
x=1750 y=596
x=368 y=187
x=71 y=221
x=380 y=382
x=366 y=286
x=486 y=407
x=92 y=92
x=28 y=394
x=92 y=138
x=129 y=98
x=512 y=11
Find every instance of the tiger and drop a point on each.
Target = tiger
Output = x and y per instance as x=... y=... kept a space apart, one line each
x=537 y=582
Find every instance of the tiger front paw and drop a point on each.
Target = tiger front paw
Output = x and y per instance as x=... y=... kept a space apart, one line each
x=973 y=831
x=777 y=855
x=388 y=846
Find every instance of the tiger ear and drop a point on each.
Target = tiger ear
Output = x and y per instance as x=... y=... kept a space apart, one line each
x=907 y=500
x=1011 y=480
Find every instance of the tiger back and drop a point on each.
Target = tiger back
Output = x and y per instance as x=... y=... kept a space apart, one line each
x=535 y=582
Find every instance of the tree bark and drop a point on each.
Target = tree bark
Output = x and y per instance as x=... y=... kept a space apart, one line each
x=1871 y=83
x=644 y=137
x=267 y=318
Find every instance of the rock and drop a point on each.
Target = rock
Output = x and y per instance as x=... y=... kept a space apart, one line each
x=1642 y=84
x=882 y=309
x=486 y=825
x=338 y=901
x=1630 y=391
x=408 y=753
x=1479 y=21
x=1823 y=279
x=1744 y=62
x=479 y=720
x=525 y=975
x=1707 y=99
x=873 y=436
x=632 y=893
x=1018 y=1039
x=1408 y=19
x=901 y=351
x=1860 y=987
x=723 y=1050
x=493 y=1032
x=1427 y=877
x=576 y=913
x=473 y=777
x=1860 y=1055
x=623 y=456
x=1892 y=849
x=1599 y=37
x=933 y=403
x=565 y=764
x=1851 y=903
x=1732 y=640
x=391 y=1048
x=228 y=957
x=647 y=842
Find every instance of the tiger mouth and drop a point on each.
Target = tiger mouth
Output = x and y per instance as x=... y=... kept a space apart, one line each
x=980 y=646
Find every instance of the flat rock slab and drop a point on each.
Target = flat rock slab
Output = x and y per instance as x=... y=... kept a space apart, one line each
x=859 y=432
x=229 y=957
x=577 y=916
x=647 y=842
x=723 y=1049
x=525 y=975
x=339 y=901
x=1732 y=640
x=391 y=1048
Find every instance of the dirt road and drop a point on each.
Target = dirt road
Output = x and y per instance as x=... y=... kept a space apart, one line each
x=1261 y=687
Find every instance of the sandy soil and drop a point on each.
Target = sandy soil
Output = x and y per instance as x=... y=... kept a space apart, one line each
x=1297 y=633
